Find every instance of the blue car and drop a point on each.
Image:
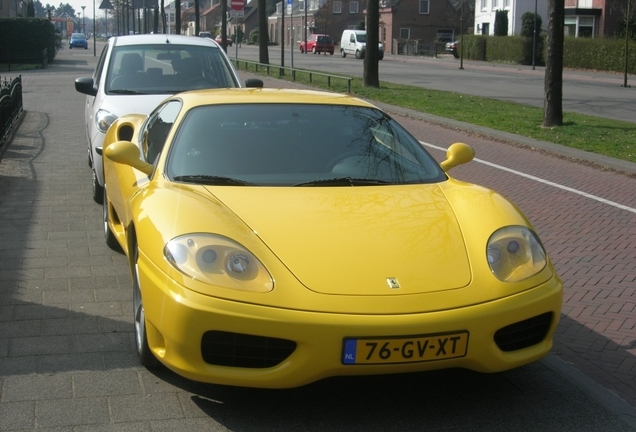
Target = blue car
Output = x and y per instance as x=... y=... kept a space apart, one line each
x=78 y=40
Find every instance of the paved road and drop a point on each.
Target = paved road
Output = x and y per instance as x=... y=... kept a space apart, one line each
x=67 y=360
x=594 y=93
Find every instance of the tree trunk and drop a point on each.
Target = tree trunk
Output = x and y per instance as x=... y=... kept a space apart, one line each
x=223 y=25
x=553 y=92
x=371 y=56
x=177 y=17
x=263 y=35
x=197 y=17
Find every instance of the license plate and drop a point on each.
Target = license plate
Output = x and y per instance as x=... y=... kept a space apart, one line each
x=405 y=349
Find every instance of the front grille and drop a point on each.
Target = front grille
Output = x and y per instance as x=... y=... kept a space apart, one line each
x=524 y=333
x=242 y=350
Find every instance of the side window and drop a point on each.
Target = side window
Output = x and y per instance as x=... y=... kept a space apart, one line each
x=99 y=70
x=157 y=128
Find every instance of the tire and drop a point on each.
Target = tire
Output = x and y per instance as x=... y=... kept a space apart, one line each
x=145 y=356
x=359 y=54
x=109 y=237
x=342 y=53
x=313 y=50
x=98 y=190
x=330 y=52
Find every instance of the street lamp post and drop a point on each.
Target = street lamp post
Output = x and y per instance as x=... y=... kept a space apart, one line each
x=83 y=20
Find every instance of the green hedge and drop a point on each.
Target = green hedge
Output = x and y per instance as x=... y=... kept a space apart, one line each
x=27 y=35
x=599 y=54
x=606 y=54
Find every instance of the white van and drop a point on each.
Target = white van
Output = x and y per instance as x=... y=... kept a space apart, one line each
x=354 y=42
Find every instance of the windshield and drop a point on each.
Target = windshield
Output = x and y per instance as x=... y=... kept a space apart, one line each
x=78 y=36
x=296 y=145
x=361 y=37
x=167 y=69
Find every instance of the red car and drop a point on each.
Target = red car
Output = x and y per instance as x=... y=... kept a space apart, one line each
x=318 y=43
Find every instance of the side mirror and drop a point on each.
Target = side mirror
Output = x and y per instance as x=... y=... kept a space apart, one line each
x=125 y=152
x=85 y=85
x=254 y=83
x=457 y=154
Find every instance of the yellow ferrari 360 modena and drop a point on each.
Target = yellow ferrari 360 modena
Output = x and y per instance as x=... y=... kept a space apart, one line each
x=278 y=237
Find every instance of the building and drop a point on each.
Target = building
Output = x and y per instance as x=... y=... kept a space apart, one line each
x=485 y=14
x=13 y=8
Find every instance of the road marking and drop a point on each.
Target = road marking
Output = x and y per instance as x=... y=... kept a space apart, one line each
x=547 y=182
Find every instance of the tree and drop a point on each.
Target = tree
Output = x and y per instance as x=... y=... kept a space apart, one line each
x=177 y=16
x=197 y=18
x=370 y=75
x=65 y=8
x=30 y=9
x=527 y=24
x=501 y=23
x=263 y=37
x=553 y=91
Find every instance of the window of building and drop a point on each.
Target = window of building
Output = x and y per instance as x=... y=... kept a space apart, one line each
x=424 y=6
x=586 y=27
x=405 y=33
x=484 y=4
x=301 y=5
x=353 y=7
x=337 y=7
x=495 y=4
x=506 y=4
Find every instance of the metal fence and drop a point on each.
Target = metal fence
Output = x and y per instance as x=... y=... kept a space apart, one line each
x=293 y=72
x=33 y=58
x=10 y=105
x=414 y=47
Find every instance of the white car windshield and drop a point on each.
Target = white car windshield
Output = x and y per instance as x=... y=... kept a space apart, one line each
x=167 y=69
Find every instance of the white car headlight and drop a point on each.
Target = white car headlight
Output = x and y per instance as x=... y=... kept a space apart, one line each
x=103 y=120
x=515 y=253
x=219 y=261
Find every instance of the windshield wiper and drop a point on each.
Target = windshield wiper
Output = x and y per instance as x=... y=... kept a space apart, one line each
x=125 y=91
x=344 y=181
x=212 y=180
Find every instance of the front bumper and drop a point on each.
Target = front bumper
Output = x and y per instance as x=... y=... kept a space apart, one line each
x=178 y=319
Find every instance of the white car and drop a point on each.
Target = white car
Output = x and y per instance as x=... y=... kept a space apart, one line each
x=135 y=73
x=355 y=42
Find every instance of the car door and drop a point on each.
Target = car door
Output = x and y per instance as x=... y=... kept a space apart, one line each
x=123 y=181
x=89 y=107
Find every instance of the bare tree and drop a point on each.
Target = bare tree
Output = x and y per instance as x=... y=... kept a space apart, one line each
x=263 y=36
x=224 y=25
x=553 y=90
x=370 y=76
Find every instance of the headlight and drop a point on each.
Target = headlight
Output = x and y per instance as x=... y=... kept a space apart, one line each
x=515 y=253
x=103 y=120
x=218 y=261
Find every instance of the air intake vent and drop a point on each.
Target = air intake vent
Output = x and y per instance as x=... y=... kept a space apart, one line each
x=524 y=333
x=242 y=350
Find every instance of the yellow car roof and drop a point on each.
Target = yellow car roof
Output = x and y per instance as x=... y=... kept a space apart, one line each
x=267 y=95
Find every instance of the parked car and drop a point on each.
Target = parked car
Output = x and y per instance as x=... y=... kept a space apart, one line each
x=451 y=47
x=205 y=34
x=355 y=42
x=77 y=40
x=285 y=236
x=219 y=40
x=317 y=44
x=134 y=73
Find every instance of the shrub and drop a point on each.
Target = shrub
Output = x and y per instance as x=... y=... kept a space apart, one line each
x=501 y=23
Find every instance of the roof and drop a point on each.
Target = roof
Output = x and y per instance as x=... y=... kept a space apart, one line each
x=143 y=39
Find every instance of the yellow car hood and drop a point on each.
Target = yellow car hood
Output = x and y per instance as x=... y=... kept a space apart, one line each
x=388 y=240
